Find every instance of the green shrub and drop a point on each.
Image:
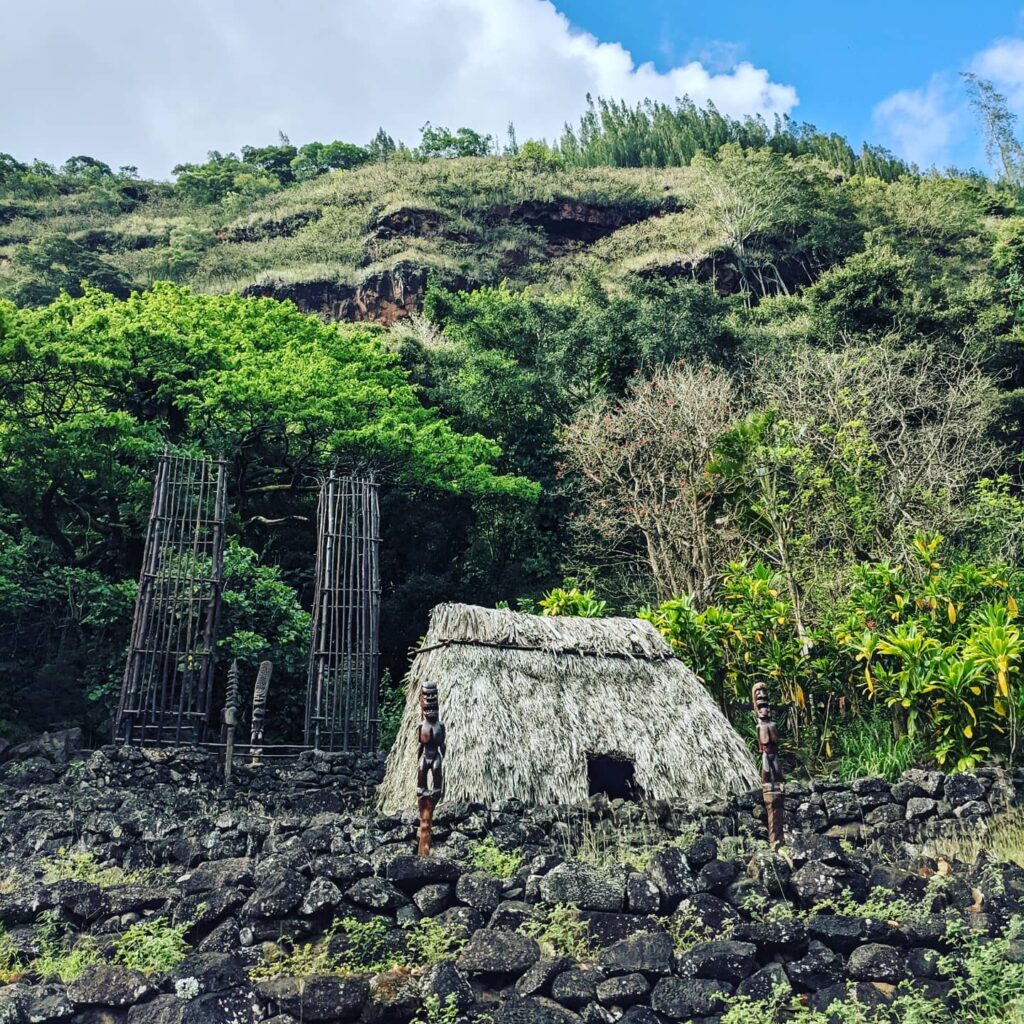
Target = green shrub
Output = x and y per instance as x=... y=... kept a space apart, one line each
x=686 y=928
x=303 y=961
x=560 y=931
x=486 y=855
x=11 y=966
x=868 y=746
x=84 y=867
x=434 y=1011
x=367 y=951
x=570 y=600
x=152 y=946
x=58 y=958
x=431 y=942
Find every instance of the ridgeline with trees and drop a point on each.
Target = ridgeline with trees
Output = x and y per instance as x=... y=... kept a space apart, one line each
x=738 y=378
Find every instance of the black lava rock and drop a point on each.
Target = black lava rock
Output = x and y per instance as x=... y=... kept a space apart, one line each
x=670 y=872
x=648 y=953
x=722 y=960
x=876 y=962
x=685 y=998
x=576 y=987
x=624 y=990
x=480 y=891
x=818 y=968
x=490 y=951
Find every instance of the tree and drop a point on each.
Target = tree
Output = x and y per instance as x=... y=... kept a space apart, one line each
x=91 y=389
x=999 y=125
x=783 y=221
x=54 y=263
x=86 y=167
x=208 y=183
x=440 y=142
x=274 y=160
x=845 y=455
x=317 y=158
x=382 y=147
x=645 y=500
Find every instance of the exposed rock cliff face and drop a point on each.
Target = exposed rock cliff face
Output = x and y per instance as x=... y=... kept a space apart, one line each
x=569 y=224
x=408 y=221
x=382 y=297
x=259 y=230
x=385 y=296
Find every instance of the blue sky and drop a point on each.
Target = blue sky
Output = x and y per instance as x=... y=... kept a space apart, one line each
x=844 y=59
x=157 y=84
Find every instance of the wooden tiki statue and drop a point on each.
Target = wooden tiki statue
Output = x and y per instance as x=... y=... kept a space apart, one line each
x=430 y=768
x=772 y=782
x=259 y=712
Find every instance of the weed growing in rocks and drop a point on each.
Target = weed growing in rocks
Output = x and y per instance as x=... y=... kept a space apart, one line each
x=987 y=980
x=11 y=967
x=434 y=1011
x=987 y=988
x=759 y=908
x=486 y=855
x=84 y=867
x=608 y=844
x=57 y=957
x=907 y=1008
x=303 y=961
x=686 y=929
x=560 y=932
x=881 y=904
x=430 y=942
x=367 y=952
x=1002 y=839
x=612 y=843
x=152 y=946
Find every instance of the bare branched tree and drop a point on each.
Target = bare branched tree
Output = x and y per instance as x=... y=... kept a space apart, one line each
x=900 y=436
x=647 y=498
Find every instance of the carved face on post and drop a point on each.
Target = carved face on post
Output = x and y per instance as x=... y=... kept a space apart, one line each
x=428 y=702
x=759 y=698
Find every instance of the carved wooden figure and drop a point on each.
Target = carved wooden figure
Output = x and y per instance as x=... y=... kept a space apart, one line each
x=773 y=784
x=430 y=770
x=259 y=712
x=230 y=720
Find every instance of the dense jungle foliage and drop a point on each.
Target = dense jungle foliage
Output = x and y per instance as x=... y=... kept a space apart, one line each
x=737 y=378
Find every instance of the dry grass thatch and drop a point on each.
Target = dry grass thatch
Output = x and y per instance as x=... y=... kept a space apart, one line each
x=524 y=699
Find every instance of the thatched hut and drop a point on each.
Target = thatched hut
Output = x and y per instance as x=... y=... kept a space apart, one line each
x=550 y=710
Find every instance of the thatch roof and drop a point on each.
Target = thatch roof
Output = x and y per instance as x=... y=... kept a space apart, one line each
x=524 y=699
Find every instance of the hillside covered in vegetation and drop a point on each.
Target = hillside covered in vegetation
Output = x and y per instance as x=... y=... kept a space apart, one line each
x=738 y=378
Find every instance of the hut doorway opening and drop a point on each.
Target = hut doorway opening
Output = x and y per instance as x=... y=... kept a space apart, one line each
x=612 y=775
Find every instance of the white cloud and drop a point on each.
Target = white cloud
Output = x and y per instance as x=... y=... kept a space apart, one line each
x=933 y=124
x=919 y=124
x=1003 y=64
x=154 y=84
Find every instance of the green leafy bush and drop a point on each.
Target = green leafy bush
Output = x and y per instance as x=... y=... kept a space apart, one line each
x=560 y=931
x=431 y=942
x=62 y=956
x=939 y=647
x=486 y=855
x=152 y=946
x=572 y=601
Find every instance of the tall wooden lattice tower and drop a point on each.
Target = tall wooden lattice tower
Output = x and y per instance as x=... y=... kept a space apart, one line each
x=168 y=678
x=342 y=696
